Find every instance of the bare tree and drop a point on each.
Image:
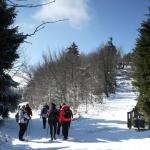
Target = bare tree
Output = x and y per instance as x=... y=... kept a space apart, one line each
x=73 y=78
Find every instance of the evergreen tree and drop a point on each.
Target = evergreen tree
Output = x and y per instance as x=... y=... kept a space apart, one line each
x=10 y=40
x=107 y=67
x=72 y=69
x=142 y=67
x=72 y=60
x=73 y=50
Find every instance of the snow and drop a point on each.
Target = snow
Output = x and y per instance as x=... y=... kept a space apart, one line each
x=104 y=127
x=21 y=78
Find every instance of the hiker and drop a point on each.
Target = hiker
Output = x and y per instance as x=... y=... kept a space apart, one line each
x=29 y=112
x=52 y=120
x=65 y=119
x=43 y=115
x=47 y=106
x=59 y=124
x=23 y=120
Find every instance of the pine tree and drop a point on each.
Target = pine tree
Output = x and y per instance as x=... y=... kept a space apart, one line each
x=72 y=60
x=142 y=67
x=72 y=69
x=10 y=40
x=107 y=67
x=73 y=49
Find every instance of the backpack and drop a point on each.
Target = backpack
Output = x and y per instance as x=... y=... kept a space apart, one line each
x=53 y=116
x=44 y=110
x=67 y=112
x=17 y=116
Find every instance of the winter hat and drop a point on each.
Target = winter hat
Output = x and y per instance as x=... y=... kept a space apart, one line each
x=53 y=104
x=27 y=105
x=63 y=104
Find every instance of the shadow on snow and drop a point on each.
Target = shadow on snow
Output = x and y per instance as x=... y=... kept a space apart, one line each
x=100 y=130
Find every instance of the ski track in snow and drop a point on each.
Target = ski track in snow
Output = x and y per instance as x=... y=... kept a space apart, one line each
x=104 y=127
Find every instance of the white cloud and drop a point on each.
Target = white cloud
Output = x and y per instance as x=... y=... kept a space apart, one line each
x=74 y=10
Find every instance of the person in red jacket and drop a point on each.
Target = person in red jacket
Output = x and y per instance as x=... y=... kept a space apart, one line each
x=65 y=118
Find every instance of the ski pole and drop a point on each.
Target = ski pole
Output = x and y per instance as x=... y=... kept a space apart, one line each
x=29 y=128
x=31 y=122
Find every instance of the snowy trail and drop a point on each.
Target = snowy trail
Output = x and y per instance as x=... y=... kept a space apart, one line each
x=103 y=128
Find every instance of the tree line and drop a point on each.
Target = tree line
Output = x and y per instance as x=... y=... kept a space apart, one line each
x=73 y=77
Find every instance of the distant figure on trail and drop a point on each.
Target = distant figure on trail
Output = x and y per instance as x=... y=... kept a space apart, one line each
x=65 y=119
x=43 y=115
x=23 y=120
x=52 y=121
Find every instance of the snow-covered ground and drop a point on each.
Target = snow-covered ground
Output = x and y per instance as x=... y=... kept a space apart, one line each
x=104 y=127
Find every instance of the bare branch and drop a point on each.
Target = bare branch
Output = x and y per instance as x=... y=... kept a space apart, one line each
x=41 y=26
x=13 y=4
x=27 y=42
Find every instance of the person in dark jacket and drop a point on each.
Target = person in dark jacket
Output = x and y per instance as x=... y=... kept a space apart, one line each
x=43 y=115
x=46 y=105
x=52 y=120
x=65 y=119
x=29 y=112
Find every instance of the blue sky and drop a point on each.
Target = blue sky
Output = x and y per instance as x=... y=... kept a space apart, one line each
x=91 y=23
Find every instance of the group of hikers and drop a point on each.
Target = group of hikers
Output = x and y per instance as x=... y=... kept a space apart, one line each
x=56 y=119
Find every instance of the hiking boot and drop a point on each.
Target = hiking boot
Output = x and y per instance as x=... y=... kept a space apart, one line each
x=22 y=139
x=65 y=138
